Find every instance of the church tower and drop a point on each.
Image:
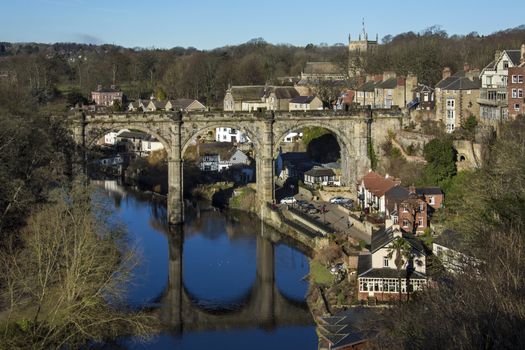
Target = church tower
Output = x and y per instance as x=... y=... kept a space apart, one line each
x=357 y=51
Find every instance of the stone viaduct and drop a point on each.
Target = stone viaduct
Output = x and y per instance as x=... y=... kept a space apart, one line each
x=355 y=130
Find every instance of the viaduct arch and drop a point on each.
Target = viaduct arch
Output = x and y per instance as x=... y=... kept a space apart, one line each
x=354 y=131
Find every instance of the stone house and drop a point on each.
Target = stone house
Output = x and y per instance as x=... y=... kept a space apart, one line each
x=318 y=72
x=394 y=90
x=493 y=99
x=106 y=97
x=377 y=274
x=457 y=98
x=305 y=103
x=321 y=176
x=138 y=105
x=258 y=97
x=156 y=105
x=185 y=105
x=372 y=188
x=365 y=93
x=516 y=87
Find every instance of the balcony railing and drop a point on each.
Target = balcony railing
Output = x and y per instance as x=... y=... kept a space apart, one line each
x=493 y=97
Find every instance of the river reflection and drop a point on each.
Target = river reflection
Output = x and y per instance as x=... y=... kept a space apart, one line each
x=219 y=281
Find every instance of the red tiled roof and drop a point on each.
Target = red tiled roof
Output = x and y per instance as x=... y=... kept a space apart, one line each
x=379 y=184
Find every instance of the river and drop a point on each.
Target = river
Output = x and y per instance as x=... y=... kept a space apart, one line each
x=222 y=280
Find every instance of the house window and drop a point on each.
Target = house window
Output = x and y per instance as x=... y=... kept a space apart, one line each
x=520 y=79
x=420 y=222
x=405 y=223
x=514 y=93
x=431 y=200
x=514 y=79
x=517 y=107
x=520 y=93
x=385 y=261
x=405 y=209
x=450 y=103
x=395 y=219
x=489 y=80
x=505 y=64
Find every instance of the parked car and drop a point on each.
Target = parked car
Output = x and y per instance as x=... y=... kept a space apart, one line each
x=288 y=200
x=311 y=209
x=302 y=203
x=336 y=200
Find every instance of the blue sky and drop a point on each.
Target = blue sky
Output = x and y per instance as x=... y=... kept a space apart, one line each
x=206 y=24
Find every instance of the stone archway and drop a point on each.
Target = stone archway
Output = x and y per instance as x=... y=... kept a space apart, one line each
x=348 y=152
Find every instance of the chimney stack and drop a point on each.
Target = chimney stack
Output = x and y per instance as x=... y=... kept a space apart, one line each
x=497 y=54
x=447 y=72
x=522 y=60
x=466 y=67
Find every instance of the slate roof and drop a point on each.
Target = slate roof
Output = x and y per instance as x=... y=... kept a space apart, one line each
x=396 y=194
x=319 y=172
x=282 y=92
x=107 y=90
x=369 y=86
x=423 y=191
x=384 y=236
x=224 y=149
x=342 y=330
x=322 y=68
x=247 y=93
x=183 y=103
x=459 y=81
x=514 y=56
x=390 y=273
x=387 y=84
x=378 y=184
x=302 y=99
x=159 y=104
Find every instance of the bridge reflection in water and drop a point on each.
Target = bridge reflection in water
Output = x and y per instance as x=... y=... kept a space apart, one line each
x=263 y=307
x=261 y=288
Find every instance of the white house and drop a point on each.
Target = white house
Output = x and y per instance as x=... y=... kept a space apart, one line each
x=230 y=135
x=111 y=137
x=372 y=188
x=493 y=99
x=321 y=176
x=377 y=272
x=219 y=157
x=139 y=143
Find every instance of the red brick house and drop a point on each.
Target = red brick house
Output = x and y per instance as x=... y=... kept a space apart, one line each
x=516 y=87
x=413 y=214
x=106 y=97
x=433 y=196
